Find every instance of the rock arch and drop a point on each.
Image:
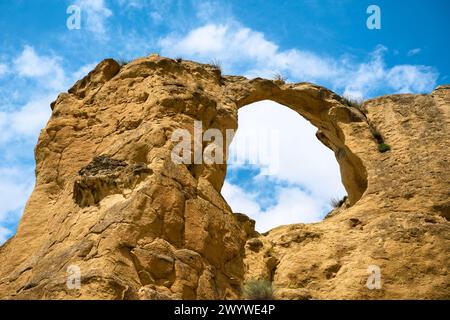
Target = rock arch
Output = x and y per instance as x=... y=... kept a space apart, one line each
x=109 y=200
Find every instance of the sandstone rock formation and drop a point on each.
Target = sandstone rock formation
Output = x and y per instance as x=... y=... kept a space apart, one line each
x=109 y=200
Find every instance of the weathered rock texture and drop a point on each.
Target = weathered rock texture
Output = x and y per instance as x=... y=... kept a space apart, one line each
x=109 y=200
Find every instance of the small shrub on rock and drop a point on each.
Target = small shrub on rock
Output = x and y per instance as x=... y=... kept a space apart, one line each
x=258 y=289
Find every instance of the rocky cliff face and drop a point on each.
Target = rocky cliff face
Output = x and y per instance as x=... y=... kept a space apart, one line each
x=109 y=199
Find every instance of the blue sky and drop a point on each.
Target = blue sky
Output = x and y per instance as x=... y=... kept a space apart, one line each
x=326 y=42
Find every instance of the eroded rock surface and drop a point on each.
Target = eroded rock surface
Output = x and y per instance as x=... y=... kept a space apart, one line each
x=105 y=176
x=109 y=200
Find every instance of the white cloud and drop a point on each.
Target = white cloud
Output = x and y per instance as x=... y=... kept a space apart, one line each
x=211 y=10
x=407 y=78
x=83 y=71
x=26 y=120
x=20 y=124
x=45 y=69
x=29 y=64
x=299 y=156
x=242 y=50
x=292 y=206
x=96 y=13
x=202 y=42
x=3 y=69
x=413 y=52
x=133 y=4
x=15 y=187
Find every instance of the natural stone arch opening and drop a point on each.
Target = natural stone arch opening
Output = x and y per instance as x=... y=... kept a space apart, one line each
x=278 y=172
x=168 y=234
x=320 y=107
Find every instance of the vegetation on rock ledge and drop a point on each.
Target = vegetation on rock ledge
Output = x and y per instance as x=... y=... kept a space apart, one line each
x=258 y=289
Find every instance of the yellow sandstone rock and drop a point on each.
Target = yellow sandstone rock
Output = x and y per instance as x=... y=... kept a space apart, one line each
x=109 y=200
